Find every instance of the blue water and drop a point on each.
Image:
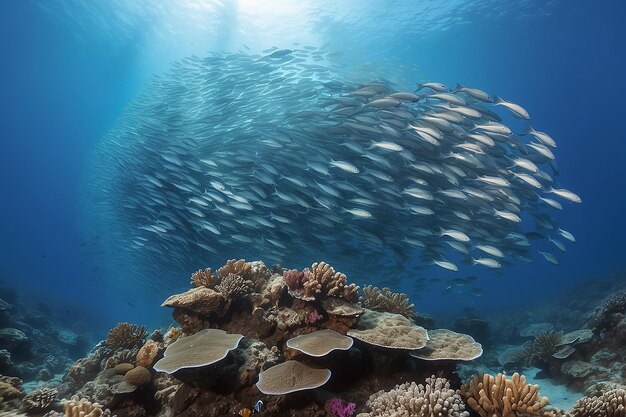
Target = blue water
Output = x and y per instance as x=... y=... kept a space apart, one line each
x=68 y=69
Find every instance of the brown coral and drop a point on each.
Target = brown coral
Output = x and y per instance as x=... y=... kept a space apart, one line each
x=240 y=267
x=138 y=376
x=501 y=397
x=147 y=354
x=122 y=368
x=204 y=278
x=611 y=403
x=388 y=301
x=40 y=400
x=319 y=281
x=233 y=286
x=126 y=336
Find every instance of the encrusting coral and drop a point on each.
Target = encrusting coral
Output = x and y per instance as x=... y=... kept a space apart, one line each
x=435 y=398
x=501 y=397
x=388 y=301
x=611 y=403
x=126 y=336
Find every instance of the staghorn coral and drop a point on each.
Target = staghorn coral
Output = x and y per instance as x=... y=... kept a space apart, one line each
x=611 y=403
x=240 y=267
x=501 y=397
x=388 y=301
x=435 y=398
x=204 y=278
x=40 y=400
x=233 y=286
x=542 y=348
x=126 y=336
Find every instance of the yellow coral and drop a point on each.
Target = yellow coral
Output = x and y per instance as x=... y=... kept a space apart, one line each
x=501 y=397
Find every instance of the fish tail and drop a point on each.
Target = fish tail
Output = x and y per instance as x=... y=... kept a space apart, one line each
x=459 y=86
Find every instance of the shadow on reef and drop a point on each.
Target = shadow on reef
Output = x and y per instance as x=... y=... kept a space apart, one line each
x=285 y=342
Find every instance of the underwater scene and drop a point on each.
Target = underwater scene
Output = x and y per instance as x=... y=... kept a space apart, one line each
x=354 y=208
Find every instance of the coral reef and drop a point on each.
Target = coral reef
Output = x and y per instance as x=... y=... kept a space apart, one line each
x=432 y=399
x=300 y=342
x=33 y=345
x=501 y=397
x=387 y=301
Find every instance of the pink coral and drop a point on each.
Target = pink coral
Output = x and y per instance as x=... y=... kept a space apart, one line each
x=340 y=409
x=314 y=317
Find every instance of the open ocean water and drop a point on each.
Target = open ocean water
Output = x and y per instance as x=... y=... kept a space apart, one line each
x=142 y=141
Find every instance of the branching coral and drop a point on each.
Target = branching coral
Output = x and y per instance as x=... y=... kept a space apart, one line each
x=83 y=408
x=501 y=397
x=388 y=301
x=319 y=281
x=204 y=278
x=40 y=400
x=542 y=348
x=233 y=286
x=435 y=398
x=610 y=404
x=240 y=267
x=127 y=336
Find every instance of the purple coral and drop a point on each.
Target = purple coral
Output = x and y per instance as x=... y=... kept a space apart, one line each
x=294 y=279
x=340 y=409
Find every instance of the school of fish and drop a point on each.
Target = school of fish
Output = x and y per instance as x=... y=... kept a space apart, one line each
x=275 y=157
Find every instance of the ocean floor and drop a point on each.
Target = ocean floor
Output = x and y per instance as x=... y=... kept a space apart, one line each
x=560 y=396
